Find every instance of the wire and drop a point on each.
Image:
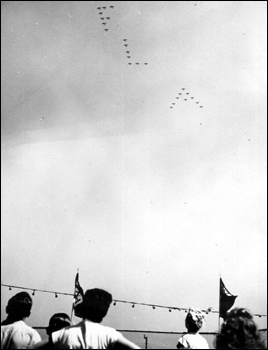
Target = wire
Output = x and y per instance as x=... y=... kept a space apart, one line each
x=207 y=311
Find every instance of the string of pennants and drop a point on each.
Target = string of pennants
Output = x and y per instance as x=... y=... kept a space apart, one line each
x=115 y=301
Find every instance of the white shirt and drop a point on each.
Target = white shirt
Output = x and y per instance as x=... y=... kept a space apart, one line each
x=18 y=335
x=85 y=335
x=193 y=341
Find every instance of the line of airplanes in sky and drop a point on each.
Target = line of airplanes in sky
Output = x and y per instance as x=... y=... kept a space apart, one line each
x=181 y=96
x=104 y=23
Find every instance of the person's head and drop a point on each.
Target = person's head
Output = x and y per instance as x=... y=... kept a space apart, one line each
x=239 y=331
x=57 y=322
x=19 y=306
x=96 y=303
x=194 y=320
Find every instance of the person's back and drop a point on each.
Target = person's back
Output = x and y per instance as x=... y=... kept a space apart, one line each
x=193 y=340
x=85 y=335
x=18 y=335
x=15 y=333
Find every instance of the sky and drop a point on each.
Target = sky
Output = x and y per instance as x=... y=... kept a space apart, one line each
x=151 y=203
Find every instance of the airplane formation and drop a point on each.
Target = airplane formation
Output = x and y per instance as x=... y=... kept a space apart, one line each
x=185 y=98
x=102 y=18
x=125 y=44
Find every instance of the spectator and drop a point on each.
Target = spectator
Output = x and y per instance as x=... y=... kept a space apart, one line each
x=193 y=340
x=239 y=331
x=57 y=322
x=89 y=334
x=15 y=333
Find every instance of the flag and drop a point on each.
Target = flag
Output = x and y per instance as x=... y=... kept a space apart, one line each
x=226 y=299
x=78 y=297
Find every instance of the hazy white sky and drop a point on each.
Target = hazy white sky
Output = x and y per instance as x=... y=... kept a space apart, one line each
x=152 y=203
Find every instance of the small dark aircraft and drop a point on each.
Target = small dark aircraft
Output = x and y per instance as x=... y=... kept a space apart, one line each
x=104 y=7
x=106 y=30
x=170 y=107
x=130 y=63
x=104 y=23
x=111 y=7
x=127 y=51
x=102 y=18
x=108 y=18
x=99 y=8
x=128 y=56
x=124 y=39
x=183 y=88
x=146 y=63
x=197 y=102
x=179 y=93
x=185 y=99
x=100 y=13
x=137 y=63
x=201 y=106
x=126 y=45
x=187 y=93
x=177 y=98
x=192 y=97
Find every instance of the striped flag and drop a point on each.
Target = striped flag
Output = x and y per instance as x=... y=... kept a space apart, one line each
x=78 y=297
x=226 y=299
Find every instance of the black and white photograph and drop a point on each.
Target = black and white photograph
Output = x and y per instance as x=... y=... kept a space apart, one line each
x=133 y=175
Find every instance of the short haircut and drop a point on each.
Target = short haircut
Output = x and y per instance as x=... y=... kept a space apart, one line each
x=239 y=331
x=57 y=322
x=19 y=305
x=194 y=320
x=96 y=303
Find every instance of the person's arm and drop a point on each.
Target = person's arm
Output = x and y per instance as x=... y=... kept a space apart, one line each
x=44 y=344
x=124 y=344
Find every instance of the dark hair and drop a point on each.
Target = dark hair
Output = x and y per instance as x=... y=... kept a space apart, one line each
x=96 y=303
x=194 y=320
x=239 y=331
x=19 y=306
x=57 y=322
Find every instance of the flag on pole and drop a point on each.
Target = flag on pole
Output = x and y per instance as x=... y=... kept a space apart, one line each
x=226 y=299
x=78 y=297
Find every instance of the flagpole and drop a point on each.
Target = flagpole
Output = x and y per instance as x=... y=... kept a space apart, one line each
x=74 y=294
x=219 y=324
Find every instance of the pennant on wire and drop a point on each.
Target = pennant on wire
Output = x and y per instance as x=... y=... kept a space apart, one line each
x=78 y=297
x=226 y=299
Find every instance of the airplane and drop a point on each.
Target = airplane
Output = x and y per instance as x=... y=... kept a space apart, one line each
x=183 y=88
x=128 y=56
x=185 y=99
x=104 y=7
x=124 y=39
x=99 y=8
x=127 y=51
x=187 y=93
x=130 y=63
x=111 y=7
x=192 y=97
x=100 y=13
x=126 y=45
x=108 y=18
x=106 y=30
x=179 y=93
x=104 y=23
x=137 y=63
x=170 y=107
x=146 y=63
x=177 y=98
x=197 y=102
x=201 y=106
x=102 y=18
x=173 y=104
